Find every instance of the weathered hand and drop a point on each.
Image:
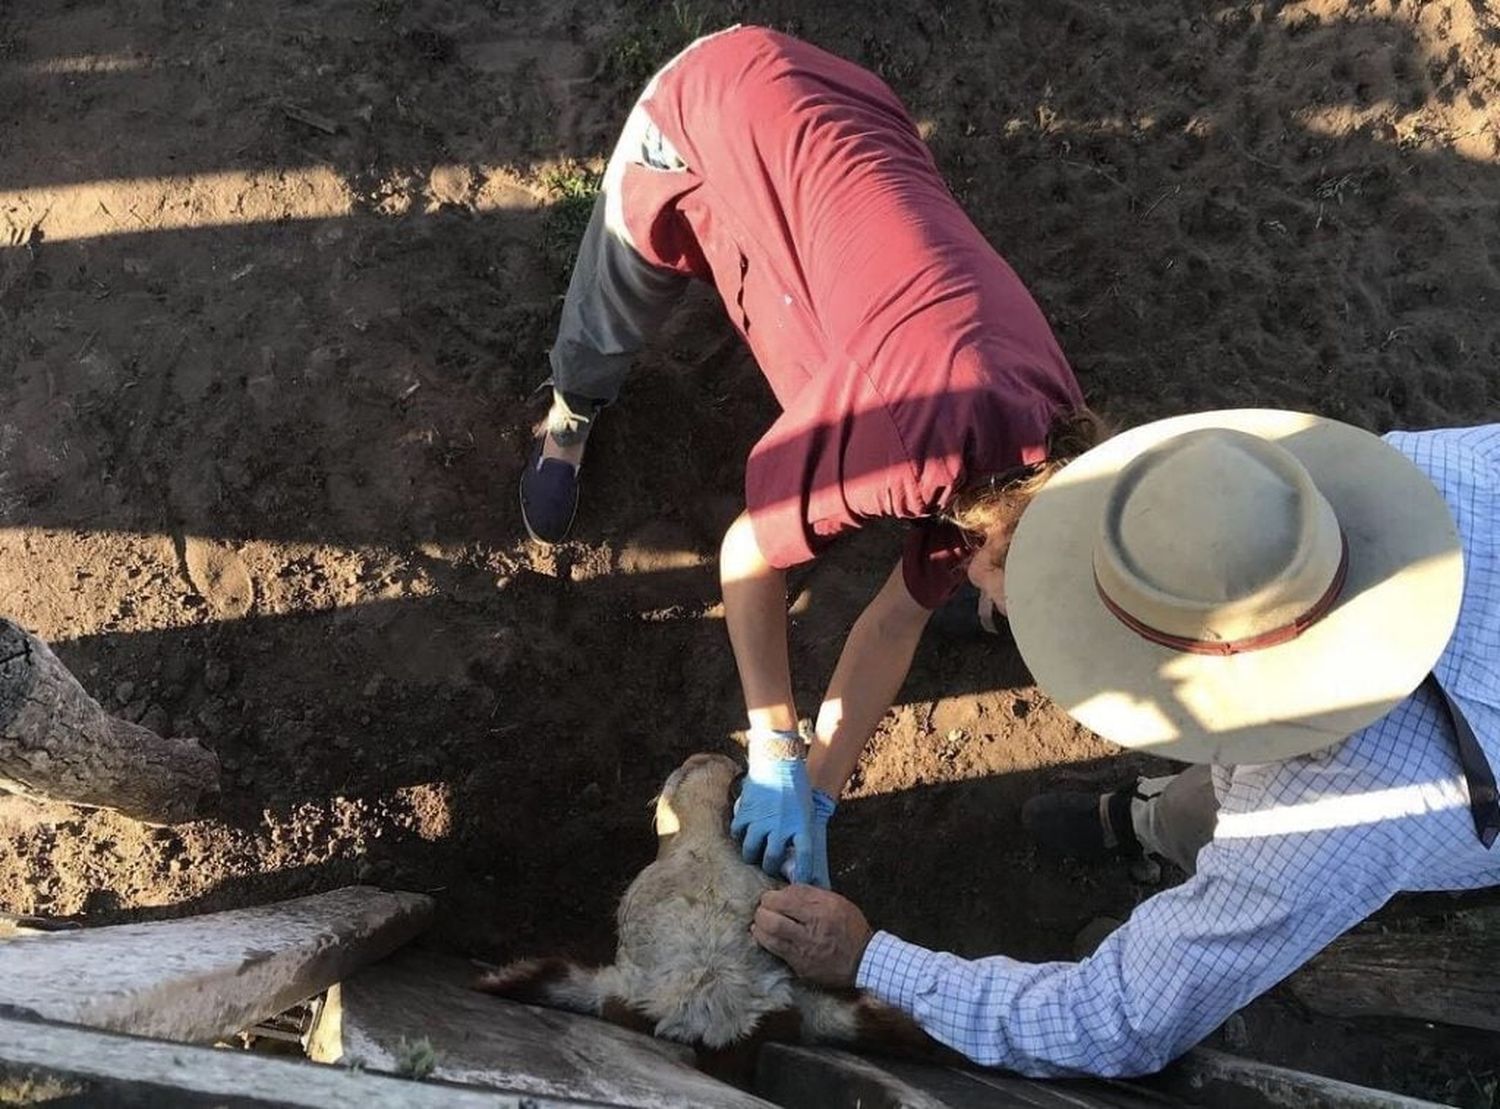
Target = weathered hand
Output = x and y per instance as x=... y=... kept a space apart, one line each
x=817 y=933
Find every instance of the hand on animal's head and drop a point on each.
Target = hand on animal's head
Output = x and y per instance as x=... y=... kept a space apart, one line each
x=697 y=796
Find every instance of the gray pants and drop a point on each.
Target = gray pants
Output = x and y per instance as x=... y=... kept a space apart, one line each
x=1178 y=815
x=616 y=300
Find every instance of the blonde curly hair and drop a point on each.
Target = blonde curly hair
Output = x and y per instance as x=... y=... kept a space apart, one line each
x=993 y=505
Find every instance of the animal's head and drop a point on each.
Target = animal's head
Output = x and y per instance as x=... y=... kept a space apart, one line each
x=697 y=797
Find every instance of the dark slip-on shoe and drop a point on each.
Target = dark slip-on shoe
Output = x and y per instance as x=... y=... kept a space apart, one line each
x=549 y=497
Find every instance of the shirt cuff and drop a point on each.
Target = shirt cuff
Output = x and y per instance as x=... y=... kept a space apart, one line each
x=895 y=971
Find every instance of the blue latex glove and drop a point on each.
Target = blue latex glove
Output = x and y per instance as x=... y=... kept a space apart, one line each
x=775 y=808
x=823 y=807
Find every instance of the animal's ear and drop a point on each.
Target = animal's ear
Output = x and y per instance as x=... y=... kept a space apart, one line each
x=553 y=982
x=667 y=822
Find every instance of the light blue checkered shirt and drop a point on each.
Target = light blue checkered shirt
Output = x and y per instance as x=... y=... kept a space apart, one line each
x=1303 y=850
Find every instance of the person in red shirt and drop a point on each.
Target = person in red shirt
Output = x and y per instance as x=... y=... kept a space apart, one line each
x=917 y=377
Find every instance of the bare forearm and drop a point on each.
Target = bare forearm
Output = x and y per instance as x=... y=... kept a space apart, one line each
x=875 y=661
x=755 y=613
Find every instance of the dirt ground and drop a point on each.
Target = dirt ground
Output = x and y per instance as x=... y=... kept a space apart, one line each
x=276 y=285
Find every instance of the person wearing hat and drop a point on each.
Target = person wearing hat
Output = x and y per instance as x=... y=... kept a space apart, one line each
x=918 y=380
x=1307 y=613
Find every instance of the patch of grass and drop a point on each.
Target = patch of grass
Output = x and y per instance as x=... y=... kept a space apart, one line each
x=571 y=181
x=658 y=32
x=33 y=1090
x=416 y=1059
x=573 y=188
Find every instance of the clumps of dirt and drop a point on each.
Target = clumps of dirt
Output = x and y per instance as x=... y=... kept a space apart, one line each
x=219 y=575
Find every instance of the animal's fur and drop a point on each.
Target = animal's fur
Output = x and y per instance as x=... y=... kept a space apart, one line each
x=686 y=965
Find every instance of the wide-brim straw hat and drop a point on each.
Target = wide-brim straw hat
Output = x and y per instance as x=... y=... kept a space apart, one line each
x=1234 y=587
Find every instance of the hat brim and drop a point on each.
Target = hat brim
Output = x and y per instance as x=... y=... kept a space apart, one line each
x=1391 y=622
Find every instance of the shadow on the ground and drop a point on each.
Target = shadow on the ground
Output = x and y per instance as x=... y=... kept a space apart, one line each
x=1175 y=187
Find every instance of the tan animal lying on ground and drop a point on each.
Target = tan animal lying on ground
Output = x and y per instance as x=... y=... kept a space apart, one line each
x=686 y=968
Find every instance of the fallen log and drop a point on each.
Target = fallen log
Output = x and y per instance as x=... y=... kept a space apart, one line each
x=58 y=744
x=1443 y=977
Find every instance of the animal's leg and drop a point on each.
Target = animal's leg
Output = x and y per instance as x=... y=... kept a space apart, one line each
x=856 y=1020
x=552 y=982
x=827 y=1018
x=735 y=1062
x=556 y=983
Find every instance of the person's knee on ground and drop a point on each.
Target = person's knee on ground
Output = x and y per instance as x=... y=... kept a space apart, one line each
x=1171 y=817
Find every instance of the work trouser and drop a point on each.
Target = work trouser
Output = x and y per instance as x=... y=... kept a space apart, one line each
x=1174 y=816
x=616 y=300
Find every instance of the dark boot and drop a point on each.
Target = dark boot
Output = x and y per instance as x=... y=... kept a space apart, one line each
x=1073 y=825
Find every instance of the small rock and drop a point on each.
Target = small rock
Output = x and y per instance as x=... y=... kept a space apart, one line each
x=590 y=795
x=124 y=692
x=135 y=711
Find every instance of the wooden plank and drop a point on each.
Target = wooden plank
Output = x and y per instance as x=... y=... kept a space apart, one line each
x=815 y=1078
x=1212 y=1078
x=42 y=1063
x=483 y=1041
x=1446 y=978
x=203 y=978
